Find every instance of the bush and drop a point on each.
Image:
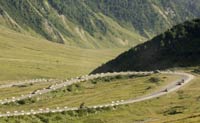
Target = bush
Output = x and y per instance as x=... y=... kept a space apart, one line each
x=94 y=81
x=197 y=71
x=21 y=102
x=174 y=110
x=72 y=113
x=26 y=101
x=148 y=88
x=74 y=87
x=154 y=79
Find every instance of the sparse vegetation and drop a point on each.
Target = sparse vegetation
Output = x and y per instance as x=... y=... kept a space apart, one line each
x=113 y=78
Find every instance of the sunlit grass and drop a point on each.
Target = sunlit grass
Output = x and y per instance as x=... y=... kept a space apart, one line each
x=23 y=89
x=23 y=57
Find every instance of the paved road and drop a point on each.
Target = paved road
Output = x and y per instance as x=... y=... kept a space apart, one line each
x=63 y=84
x=173 y=86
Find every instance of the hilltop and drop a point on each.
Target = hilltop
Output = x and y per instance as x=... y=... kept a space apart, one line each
x=177 y=47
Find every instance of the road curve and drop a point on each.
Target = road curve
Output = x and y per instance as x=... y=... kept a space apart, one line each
x=66 y=83
x=173 y=86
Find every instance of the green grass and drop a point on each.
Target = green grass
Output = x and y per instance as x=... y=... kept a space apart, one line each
x=18 y=90
x=102 y=91
x=181 y=106
x=24 y=57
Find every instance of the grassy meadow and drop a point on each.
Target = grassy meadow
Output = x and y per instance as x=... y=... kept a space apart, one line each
x=94 y=92
x=23 y=89
x=24 y=57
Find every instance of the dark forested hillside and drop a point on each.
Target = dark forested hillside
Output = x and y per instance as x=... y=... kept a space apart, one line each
x=96 y=23
x=177 y=47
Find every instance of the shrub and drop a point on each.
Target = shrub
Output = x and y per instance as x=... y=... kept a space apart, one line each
x=174 y=110
x=154 y=79
x=197 y=70
x=21 y=102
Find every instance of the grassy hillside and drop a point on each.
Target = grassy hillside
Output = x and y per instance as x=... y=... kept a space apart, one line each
x=177 y=47
x=24 y=57
x=95 y=23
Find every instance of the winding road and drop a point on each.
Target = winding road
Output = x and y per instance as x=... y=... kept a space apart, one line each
x=173 y=86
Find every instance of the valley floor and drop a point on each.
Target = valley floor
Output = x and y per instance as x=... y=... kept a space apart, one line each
x=24 y=57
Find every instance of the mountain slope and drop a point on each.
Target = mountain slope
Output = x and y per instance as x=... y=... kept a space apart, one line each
x=95 y=23
x=72 y=25
x=177 y=47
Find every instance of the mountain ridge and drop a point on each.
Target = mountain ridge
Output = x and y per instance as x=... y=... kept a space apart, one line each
x=95 y=23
